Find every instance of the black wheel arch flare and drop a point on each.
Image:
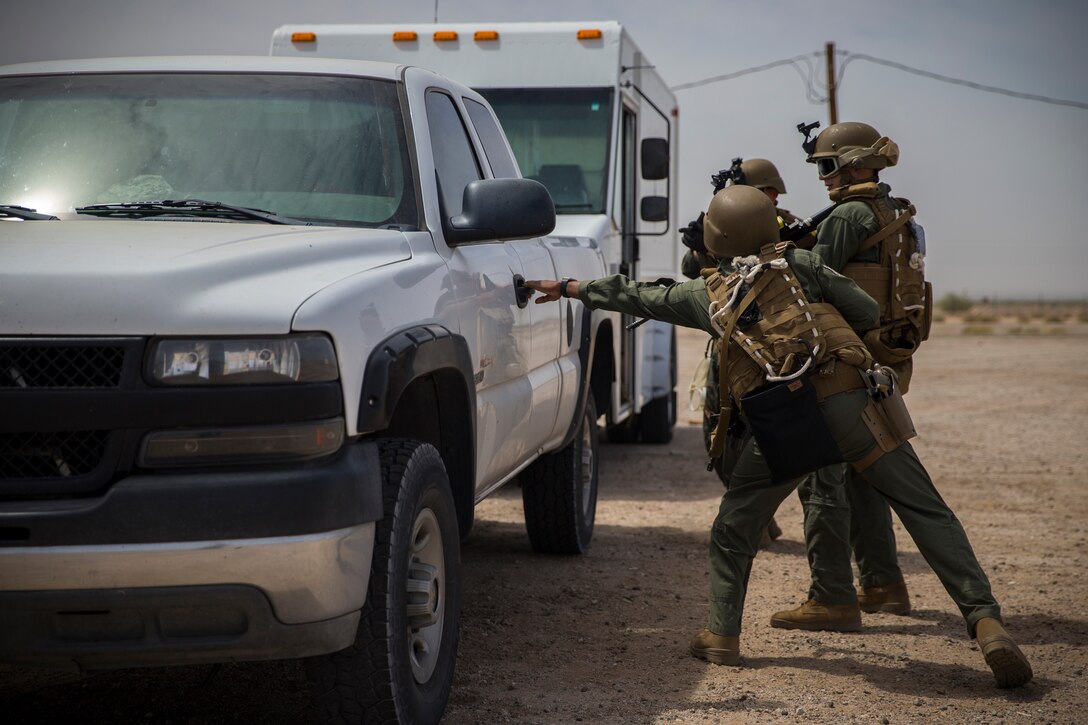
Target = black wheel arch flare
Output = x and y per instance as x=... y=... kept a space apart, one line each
x=435 y=359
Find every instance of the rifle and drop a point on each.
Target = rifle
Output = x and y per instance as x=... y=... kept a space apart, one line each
x=796 y=230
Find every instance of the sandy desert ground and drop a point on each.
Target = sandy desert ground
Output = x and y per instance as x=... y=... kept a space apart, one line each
x=602 y=638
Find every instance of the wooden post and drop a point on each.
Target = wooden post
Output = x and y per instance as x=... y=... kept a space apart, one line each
x=833 y=110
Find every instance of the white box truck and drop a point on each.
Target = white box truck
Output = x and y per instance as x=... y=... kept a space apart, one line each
x=581 y=106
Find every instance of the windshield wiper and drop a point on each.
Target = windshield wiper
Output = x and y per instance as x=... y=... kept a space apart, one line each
x=196 y=207
x=22 y=212
x=582 y=205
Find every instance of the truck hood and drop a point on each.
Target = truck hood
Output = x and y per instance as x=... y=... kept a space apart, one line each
x=107 y=277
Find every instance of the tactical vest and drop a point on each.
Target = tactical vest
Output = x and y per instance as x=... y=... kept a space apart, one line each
x=896 y=281
x=770 y=332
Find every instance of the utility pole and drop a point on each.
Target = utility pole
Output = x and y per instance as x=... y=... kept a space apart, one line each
x=833 y=108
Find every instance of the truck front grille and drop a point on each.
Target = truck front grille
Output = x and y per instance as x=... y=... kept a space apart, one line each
x=30 y=365
x=51 y=455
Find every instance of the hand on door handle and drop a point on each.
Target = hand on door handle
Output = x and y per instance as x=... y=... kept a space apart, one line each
x=521 y=292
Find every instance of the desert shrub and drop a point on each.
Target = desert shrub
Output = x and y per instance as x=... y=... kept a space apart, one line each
x=978 y=330
x=952 y=303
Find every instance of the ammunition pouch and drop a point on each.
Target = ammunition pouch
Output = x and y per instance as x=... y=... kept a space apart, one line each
x=886 y=415
x=835 y=377
x=789 y=427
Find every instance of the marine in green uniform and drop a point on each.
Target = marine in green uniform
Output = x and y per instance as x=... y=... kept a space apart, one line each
x=849 y=157
x=763 y=307
x=763 y=175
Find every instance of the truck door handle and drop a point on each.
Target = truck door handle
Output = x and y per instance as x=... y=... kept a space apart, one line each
x=521 y=292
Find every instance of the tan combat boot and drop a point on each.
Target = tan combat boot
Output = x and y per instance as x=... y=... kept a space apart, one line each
x=888 y=598
x=1008 y=663
x=813 y=615
x=715 y=648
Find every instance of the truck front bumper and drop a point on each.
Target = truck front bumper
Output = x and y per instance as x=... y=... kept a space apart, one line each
x=168 y=569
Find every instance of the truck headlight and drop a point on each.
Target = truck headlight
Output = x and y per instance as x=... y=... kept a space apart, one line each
x=243 y=361
x=251 y=444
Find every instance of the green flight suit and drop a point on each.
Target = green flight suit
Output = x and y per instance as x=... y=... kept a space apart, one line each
x=752 y=498
x=826 y=511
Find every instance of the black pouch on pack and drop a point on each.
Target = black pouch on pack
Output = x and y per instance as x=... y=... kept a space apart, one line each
x=789 y=428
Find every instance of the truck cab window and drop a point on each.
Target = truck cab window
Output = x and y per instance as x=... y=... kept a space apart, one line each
x=502 y=166
x=454 y=160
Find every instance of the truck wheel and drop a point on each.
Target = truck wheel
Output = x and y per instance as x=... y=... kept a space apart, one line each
x=401 y=666
x=625 y=432
x=657 y=418
x=559 y=492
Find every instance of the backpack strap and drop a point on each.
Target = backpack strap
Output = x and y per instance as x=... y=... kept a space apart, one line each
x=886 y=232
x=717 y=437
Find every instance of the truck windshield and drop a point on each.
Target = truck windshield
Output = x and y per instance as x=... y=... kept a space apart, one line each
x=328 y=150
x=560 y=137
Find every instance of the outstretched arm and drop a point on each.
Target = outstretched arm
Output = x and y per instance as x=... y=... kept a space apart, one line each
x=682 y=303
x=552 y=288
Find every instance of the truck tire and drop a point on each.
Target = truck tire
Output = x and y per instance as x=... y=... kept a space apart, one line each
x=559 y=492
x=657 y=418
x=400 y=668
x=625 y=432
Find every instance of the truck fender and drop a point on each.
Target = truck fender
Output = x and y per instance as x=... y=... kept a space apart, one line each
x=393 y=366
x=403 y=357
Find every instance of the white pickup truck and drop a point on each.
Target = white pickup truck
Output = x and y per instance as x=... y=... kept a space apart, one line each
x=262 y=349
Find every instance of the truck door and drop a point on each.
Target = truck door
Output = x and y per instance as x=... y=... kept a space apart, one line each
x=536 y=263
x=487 y=310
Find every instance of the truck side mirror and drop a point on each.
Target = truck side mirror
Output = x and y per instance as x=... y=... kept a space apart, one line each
x=502 y=209
x=655 y=159
x=654 y=208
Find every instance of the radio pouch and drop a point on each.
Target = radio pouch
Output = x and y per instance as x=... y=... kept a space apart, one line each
x=790 y=429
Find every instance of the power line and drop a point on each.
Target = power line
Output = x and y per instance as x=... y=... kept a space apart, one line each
x=738 y=74
x=813 y=94
x=962 y=82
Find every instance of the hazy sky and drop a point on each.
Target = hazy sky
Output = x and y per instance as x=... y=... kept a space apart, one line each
x=1000 y=183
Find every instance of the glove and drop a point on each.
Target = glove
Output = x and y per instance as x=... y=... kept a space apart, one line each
x=692 y=235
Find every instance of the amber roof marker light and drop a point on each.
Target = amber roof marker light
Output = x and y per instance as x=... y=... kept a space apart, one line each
x=405 y=36
x=485 y=35
x=444 y=36
x=304 y=37
x=589 y=34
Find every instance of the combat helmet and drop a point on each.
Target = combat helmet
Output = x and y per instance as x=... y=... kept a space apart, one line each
x=739 y=221
x=852 y=145
x=762 y=174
